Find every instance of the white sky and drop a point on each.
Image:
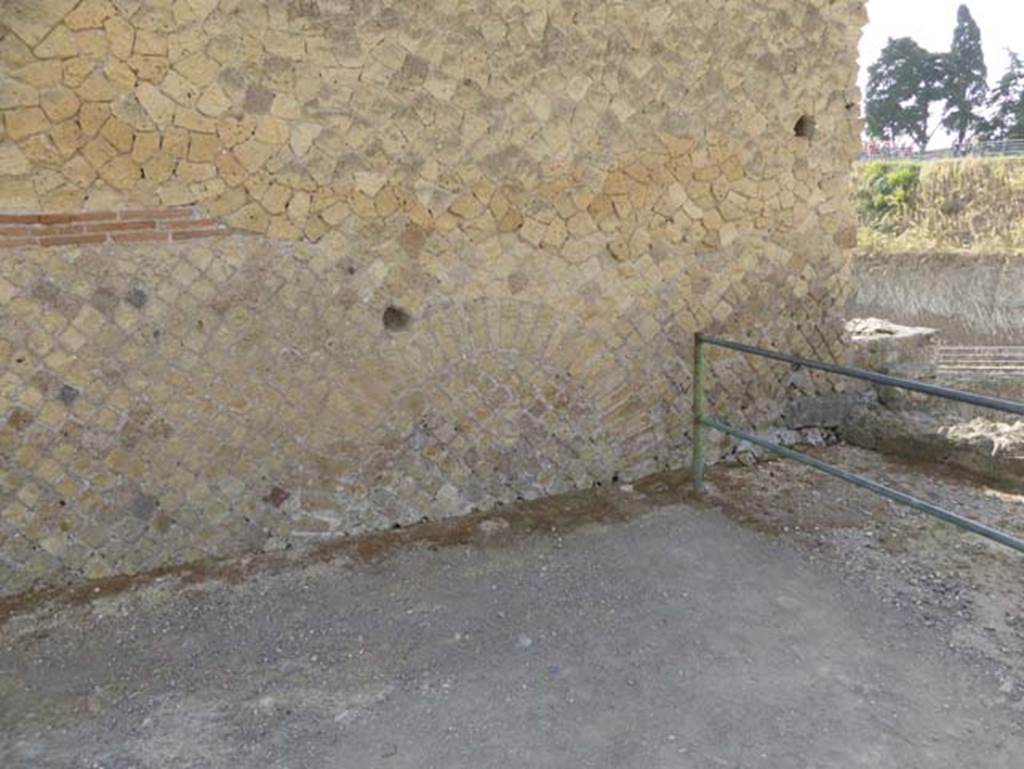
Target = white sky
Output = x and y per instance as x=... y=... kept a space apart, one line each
x=931 y=23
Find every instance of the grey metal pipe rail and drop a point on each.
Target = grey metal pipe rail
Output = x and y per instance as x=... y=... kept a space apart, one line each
x=949 y=393
x=997 y=148
x=702 y=422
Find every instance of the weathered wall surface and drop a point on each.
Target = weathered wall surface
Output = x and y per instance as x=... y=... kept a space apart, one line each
x=466 y=245
x=973 y=299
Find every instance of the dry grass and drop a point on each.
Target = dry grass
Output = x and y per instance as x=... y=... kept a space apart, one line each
x=968 y=206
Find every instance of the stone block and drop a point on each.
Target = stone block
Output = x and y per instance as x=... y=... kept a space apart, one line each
x=90 y=14
x=31 y=20
x=92 y=117
x=96 y=87
x=120 y=37
x=214 y=102
x=119 y=134
x=13 y=161
x=14 y=93
x=158 y=106
x=23 y=122
x=59 y=103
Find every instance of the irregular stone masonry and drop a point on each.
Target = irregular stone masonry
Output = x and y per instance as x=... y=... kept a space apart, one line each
x=481 y=236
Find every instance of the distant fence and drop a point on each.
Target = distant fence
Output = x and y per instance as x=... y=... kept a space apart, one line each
x=1008 y=148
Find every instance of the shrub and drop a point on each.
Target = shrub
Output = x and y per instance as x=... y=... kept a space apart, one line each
x=887 y=192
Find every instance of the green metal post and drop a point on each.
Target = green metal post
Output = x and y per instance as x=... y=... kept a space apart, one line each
x=699 y=429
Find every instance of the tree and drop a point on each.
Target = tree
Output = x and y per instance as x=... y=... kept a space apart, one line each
x=965 y=85
x=1007 y=103
x=902 y=85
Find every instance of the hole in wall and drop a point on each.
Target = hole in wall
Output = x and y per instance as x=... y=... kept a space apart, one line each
x=68 y=394
x=137 y=298
x=805 y=127
x=396 y=319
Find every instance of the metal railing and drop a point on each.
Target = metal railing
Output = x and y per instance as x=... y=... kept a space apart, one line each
x=1004 y=148
x=702 y=422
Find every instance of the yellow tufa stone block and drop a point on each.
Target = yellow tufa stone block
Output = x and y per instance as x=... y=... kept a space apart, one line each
x=119 y=134
x=96 y=87
x=252 y=218
x=159 y=167
x=158 y=106
x=17 y=94
x=99 y=152
x=23 y=122
x=13 y=161
x=41 y=151
x=276 y=198
x=59 y=103
x=230 y=169
x=121 y=76
x=150 y=68
x=92 y=116
x=59 y=44
x=120 y=37
x=150 y=42
x=199 y=69
x=195 y=172
x=272 y=130
x=40 y=74
x=253 y=154
x=90 y=14
x=146 y=145
x=176 y=142
x=214 y=102
x=204 y=148
x=192 y=120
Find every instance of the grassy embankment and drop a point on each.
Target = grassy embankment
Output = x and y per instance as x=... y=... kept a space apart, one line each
x=950 y=206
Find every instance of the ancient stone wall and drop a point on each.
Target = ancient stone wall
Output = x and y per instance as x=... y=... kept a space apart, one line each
x=273 y=271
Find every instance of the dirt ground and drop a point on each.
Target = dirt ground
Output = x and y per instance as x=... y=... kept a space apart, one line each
x=782 y=620
x=971 y=590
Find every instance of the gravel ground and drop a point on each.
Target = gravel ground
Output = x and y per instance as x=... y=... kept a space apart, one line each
x=626 y=627
x=969 y=590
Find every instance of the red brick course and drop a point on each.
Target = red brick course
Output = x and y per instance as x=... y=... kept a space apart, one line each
x=141 y=235
x=71 y=240
x=91 y=227
x=157 y=213
x=191 y=234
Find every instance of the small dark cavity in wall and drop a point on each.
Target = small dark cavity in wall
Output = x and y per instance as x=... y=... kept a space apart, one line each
x=396 y=319
x=68 y=394
x=137 y=298
x=805 y=127
x=277 y=496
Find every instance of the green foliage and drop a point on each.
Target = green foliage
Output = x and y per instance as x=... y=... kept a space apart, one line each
x=886 y=192
x=902 y=85
x=965 y=82
x=973 y=205
x=1007 y=103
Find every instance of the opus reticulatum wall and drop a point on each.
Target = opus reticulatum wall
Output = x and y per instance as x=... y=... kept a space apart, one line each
x=273 y=271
